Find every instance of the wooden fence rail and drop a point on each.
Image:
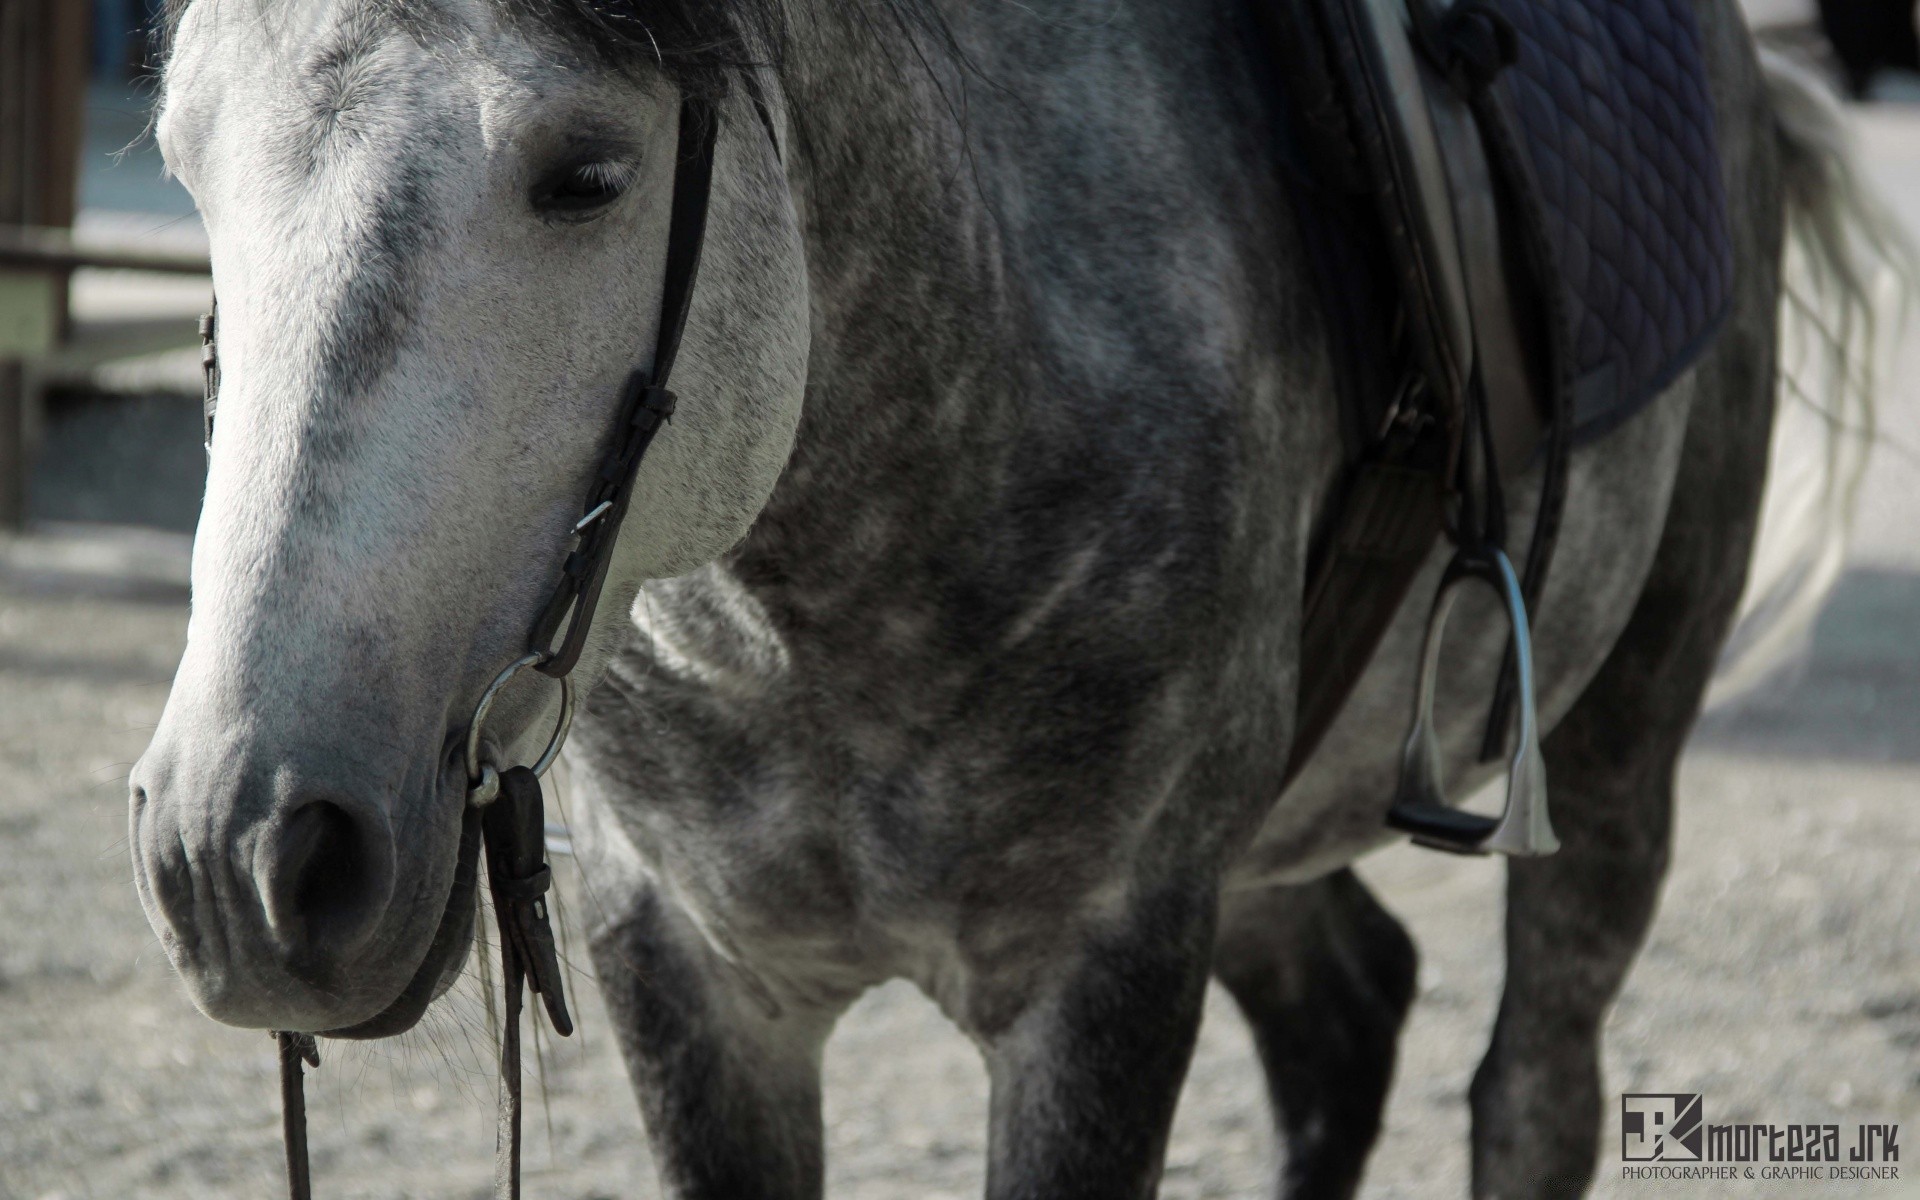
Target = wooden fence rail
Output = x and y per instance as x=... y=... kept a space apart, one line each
x=24 y=248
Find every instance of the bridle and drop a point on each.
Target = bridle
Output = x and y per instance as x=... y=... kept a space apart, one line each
x=512 y=809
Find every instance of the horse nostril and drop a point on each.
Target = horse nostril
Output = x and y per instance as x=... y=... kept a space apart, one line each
x=322 y=857
x=324 y=891
x=163 y=873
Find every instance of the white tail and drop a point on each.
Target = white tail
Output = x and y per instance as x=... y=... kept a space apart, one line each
x=1846 y=278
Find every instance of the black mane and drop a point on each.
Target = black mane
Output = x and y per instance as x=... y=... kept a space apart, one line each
x=698 y=43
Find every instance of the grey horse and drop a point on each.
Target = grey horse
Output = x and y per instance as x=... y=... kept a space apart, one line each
x=955 y=633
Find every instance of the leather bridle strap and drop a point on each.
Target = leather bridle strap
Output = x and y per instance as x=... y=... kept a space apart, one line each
x=513 y=826
x=646 y=405
x=512 y=820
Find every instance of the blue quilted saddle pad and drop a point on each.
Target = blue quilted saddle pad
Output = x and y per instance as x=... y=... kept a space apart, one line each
x=1610 y=106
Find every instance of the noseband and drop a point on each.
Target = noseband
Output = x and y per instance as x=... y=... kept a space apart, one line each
x=510 y=801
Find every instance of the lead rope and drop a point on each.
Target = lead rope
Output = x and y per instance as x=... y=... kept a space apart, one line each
x=295 y=1048
x=512 y=809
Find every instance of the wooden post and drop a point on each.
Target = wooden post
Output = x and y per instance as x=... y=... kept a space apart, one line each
x=43 y=81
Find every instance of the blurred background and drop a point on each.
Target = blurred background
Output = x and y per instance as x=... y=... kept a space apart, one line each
x=1782 y=980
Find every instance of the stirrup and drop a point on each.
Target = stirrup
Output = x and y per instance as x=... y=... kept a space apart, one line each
x=1523 y=829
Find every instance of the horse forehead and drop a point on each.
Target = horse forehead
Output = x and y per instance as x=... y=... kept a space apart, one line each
x=342 y=110
x=291 y=26
x=332 y=58
x=328 y=149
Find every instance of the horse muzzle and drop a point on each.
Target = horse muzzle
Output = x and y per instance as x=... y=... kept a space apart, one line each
x=287 y=901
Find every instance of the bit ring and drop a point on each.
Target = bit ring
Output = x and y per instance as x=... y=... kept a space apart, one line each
x=483 y=780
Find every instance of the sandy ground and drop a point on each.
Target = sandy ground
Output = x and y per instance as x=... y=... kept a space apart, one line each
x=1782 y=979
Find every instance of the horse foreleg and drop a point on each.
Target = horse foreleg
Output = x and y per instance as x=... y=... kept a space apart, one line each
x=1324 y=975
x=730 y=1089
x=1086 y=1075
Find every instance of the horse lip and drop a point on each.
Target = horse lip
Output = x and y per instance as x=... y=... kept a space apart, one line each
x=450 y=940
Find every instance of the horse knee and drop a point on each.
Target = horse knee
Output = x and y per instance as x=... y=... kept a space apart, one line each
x=1324 y=976
x=729 y=1084
x=1087 y=1073
x=1536 y=1118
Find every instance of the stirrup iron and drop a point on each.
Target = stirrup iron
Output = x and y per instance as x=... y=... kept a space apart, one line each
x=1523 y=829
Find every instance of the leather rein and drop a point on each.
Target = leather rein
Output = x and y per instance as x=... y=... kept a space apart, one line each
x=512 y=810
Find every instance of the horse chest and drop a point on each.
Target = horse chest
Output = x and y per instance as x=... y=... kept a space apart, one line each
x=933 y=813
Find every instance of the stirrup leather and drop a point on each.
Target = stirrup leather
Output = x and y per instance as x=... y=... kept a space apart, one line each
x=1523 y=829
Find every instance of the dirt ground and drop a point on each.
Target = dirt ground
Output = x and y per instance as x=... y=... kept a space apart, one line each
x=1782 y=979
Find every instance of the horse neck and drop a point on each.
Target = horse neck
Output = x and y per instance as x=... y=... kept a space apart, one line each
x=1028 y=328
x=914 y=374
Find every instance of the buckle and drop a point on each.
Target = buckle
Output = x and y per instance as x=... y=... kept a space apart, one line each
x=657 y=400
x=1523 y=829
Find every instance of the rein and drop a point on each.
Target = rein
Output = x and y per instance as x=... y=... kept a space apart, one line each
x=512 y=809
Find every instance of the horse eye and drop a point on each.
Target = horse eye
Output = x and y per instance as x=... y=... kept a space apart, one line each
x=583 y=188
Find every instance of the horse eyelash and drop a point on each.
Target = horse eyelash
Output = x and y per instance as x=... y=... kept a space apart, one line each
x=614 y=176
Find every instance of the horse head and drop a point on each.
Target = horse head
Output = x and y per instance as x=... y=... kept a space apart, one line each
x=438 y=235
